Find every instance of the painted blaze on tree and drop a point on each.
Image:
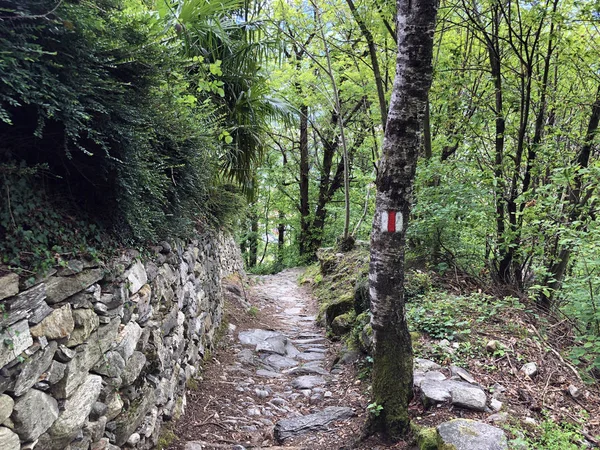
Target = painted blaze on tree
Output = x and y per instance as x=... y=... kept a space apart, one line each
x=393 y=359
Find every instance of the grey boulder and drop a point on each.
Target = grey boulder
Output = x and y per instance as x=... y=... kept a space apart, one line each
x=33 y=414
x=464 y=434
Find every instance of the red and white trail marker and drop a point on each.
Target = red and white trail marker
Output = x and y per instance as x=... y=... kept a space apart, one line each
x=391 y=221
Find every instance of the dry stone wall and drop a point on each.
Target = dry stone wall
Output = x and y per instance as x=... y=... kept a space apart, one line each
x=98 y=357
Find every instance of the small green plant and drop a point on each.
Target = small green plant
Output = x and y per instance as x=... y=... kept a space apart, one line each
x=374 y=409
x=253 y=311
x=549 y=435
x=365 y=367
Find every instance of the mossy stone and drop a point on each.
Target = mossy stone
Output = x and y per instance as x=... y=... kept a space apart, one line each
x=343 y=324
x=343 y=305
x=362 y=300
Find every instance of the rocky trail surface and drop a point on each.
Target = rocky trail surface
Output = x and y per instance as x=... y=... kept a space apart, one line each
x=277 y=382
x=273 y=383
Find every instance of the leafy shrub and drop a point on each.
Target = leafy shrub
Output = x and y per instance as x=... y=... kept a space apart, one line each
x=35 y=233
x=445 y=316
x=549 y=436
x=416 y=283
x=96 y=97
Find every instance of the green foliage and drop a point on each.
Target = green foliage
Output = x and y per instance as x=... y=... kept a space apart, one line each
x=374 y=409
x=37 y=234
x=100 y=100
x=445 y=316
x=416 y=284
x=549 y=436
x=365 y=368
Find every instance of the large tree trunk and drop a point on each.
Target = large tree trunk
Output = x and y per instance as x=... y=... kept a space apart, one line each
x=393 y=359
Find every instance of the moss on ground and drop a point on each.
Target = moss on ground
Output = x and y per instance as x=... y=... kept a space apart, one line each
x=426 y=437
x=166 y=438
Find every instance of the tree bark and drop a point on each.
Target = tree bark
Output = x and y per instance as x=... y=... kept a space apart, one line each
x=393 y=358
x=304 y=168
x=253 y=240
x=280 y=238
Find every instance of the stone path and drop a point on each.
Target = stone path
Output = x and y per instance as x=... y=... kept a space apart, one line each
x=275 y=386
x=283 y=389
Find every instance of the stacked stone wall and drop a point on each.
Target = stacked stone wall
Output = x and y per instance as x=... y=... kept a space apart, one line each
x=97 y=356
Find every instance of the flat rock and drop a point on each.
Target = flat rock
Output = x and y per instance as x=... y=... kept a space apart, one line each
x=9 y=285
x=425 y=365
x=434 y=375
x=86 y=357
x=458 y=393
x=6 y=408
x=290 y=350
x=280 y=362
x=313 y=340
x=530 y=369
x=127 y=422
x=433 y=392
x=13 y=341
x=133 y=368
x=307 y=370
x=273 y=344
x=256 y=336
x=268 y=374
x=33 y=414
x=28 y=305
x=468 y=396
x=57 y=325
x=127 y=339
x=9 y=440
x=137 y=277
x=287 y=428
x=111 y=365
x=76 y=410
x=463 y=434
x=310 y=356
x=308 y=382
x=59 y=288
x=86 y=321
x=462 y=373
x=33 y=368
x=247 y=357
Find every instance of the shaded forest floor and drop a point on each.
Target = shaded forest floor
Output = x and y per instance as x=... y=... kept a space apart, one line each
x=455 y=322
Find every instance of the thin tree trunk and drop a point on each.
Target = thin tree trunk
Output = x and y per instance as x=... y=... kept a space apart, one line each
x=559 y=264
x=304 y=168
x=280 y=238
x=267 y=207
x=253 y=241
x=374 y=61
x=393 y=357
x=340 y=123
x=427 y=150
